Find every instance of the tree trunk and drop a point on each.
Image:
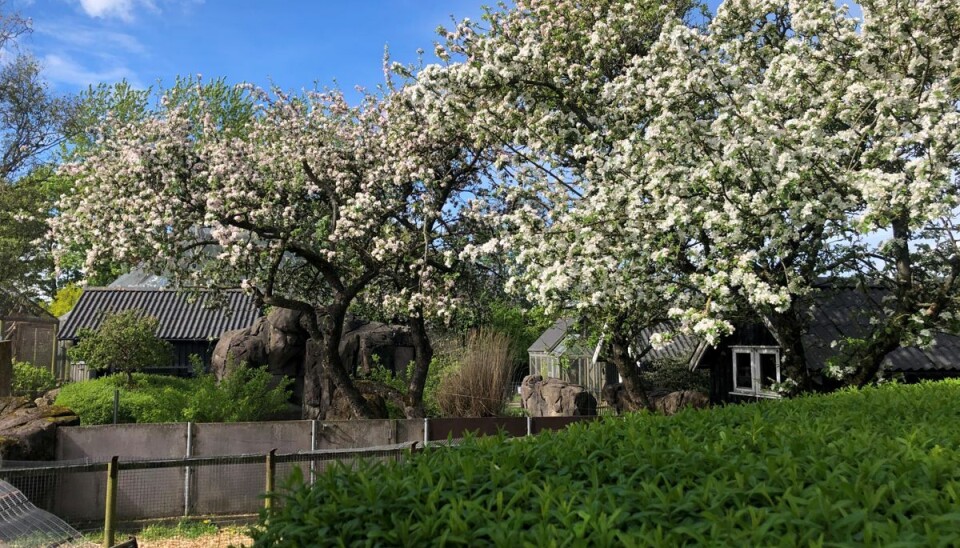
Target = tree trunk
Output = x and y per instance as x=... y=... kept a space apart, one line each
x=788 y=329
x=634 y=392
x=424 y=355
x=333 y=363
x=886 y=338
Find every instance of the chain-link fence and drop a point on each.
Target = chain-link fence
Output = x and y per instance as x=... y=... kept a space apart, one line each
x=228 y=487
x=224 y=486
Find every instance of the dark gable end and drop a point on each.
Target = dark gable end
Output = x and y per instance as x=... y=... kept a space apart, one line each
x=182 y=316
x=16 y=307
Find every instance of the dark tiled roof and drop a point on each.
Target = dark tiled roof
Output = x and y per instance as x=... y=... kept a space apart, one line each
x=681 y=347
x=182 y=316
x=847 y=313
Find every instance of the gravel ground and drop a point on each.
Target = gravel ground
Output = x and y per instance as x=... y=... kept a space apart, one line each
x=222 y=539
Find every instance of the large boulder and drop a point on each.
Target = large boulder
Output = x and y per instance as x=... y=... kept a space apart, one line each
x=280 y=341
x=28 y=431
x=664 y=402
x=555 y=398
x=670 y=403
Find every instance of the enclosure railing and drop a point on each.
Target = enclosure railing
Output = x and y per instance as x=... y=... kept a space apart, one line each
x=94 y=495
x=91 y=495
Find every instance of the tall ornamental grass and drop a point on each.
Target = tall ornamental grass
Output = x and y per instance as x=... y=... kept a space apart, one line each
x=478 y=386
x=879 y=466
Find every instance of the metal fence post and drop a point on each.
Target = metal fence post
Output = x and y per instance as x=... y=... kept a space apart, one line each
x=187 y=473
x=313 y=447
x=269 y=483
x=109 y=518
x=116 y=404
x=426 y=430
x=529 y=425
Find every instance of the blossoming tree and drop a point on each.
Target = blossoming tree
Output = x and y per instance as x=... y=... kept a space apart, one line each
x=531 y=85
x=302 y=200
x=713 y=175
x=804 y=143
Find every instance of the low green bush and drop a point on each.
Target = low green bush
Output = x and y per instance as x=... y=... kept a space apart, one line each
x=248 y=394
x=30 y=380
x=879 y=466
x=672 y=375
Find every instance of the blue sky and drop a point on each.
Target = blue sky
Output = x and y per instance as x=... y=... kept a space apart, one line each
x=291 y=43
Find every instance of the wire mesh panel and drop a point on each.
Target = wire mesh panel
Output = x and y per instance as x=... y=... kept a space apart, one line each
x=73 y=490
x=231 y=485
x=80 y=496
x=150 y=493
x=22 y=524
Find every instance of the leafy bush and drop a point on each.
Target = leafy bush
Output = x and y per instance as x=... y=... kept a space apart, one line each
x=248 y=394
x=879 y=466
x=65 y=299
x=149 y=398
x=30 y=380
x=674 y=375
x=521 y=326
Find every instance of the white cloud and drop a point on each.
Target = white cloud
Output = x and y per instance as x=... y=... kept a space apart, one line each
x=88 y=38
x=124 y=9
x=63 y=69
x=121 y=9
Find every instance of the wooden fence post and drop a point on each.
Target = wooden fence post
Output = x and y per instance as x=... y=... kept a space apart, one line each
x=269 y=484
x=109 y=519
x=6 y=368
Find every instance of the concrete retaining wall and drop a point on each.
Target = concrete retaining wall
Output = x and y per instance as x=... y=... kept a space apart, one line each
x=80 y=497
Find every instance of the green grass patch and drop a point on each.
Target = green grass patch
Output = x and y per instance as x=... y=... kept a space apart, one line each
x=184 y=529
x=248 y=394
x=879 y=466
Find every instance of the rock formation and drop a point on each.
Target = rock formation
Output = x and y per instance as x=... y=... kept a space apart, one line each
x=28 y=430
x=280 y=342
x=675 y=401
x=555 y=398
x=664 y=402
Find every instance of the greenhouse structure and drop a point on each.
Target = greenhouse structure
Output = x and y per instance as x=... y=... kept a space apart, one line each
x=563 y=353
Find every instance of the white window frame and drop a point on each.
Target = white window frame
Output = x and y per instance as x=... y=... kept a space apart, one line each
x=755 y=352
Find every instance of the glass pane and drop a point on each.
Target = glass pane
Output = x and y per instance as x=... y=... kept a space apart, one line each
x=741 y=377
x=768 y=371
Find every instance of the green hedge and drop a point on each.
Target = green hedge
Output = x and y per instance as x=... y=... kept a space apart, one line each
x=31 y=381
x=876 y=467
x=246 y=395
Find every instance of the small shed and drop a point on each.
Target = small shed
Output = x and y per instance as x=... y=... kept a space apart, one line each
x=31 y=330
x=191 y=322
x=563 y=353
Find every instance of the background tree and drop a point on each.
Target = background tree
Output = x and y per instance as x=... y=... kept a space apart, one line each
x=125 y=342
x=32 y=123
